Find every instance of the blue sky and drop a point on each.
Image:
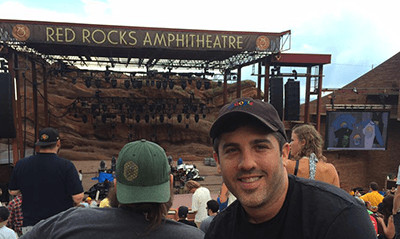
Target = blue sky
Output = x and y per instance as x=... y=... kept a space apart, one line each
x=358 y=34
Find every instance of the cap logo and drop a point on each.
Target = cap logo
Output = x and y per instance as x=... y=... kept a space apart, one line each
x=131 y=171
x=44 y=137
x=241 y=103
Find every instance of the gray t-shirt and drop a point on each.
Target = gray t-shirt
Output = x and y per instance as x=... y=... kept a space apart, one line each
x=107 y=223
x=206 y=223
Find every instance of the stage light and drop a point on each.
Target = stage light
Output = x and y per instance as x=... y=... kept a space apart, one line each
x=88 y=82
x=107 y=74
x=196 y=118
x=171 y=84
x=127 y=83
x=139 y=84
x=97 y=83
x=206 y=85
x=183 y=84
x=114 y=83
x=198 y=84
x=84 y=118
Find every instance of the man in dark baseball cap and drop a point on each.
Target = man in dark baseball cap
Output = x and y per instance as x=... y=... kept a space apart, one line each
x=250 y=147
x=42 y=175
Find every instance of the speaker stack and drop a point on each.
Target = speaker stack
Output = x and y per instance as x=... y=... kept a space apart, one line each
x=7 y=127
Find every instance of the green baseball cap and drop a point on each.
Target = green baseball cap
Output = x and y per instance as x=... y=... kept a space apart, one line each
x=142 y=173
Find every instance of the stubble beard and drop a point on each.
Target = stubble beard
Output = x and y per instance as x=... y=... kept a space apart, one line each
x=261 y=197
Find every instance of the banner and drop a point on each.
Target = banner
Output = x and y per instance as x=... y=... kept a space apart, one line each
x=136 y=37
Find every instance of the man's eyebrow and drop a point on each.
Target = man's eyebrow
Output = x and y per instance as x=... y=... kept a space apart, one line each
x=257 y=141
x=224 y=146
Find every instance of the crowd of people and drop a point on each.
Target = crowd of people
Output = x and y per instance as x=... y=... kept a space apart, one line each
x=272 y=187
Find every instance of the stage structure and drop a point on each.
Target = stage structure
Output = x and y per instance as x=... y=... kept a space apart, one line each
x=138 y=57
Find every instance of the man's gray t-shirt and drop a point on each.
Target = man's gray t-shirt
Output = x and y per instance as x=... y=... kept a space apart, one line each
x=108 y=223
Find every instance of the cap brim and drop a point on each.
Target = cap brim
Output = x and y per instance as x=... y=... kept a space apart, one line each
x=218 y=125
x=136 y=194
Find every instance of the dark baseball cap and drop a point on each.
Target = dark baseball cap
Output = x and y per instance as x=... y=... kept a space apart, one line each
x=47 y=136
x=262 y=111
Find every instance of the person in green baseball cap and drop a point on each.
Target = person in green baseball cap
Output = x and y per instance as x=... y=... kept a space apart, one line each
x=140 y=203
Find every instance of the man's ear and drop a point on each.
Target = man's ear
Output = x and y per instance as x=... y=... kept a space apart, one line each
x=285 y=151
x=215 y=155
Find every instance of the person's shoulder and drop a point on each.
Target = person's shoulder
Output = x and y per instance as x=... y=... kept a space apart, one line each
x=318 y=190
x=182 y=230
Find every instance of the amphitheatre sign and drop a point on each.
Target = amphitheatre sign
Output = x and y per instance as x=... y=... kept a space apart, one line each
x=137 y=37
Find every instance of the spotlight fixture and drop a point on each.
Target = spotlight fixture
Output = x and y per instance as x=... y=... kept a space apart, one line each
x=127 y=83
x=183 y=84
x=107 y=74
x=139 y=84
x=88 y=82
x=198 y=84
x=84 y=118
x=206 y=85
x=164 y=84
x=133 y=81
x=114 y=83
x=158 y=84
x=171 y=84
x=97 y=83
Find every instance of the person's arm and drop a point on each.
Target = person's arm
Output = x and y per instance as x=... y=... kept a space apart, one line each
x=353 y=222
x=77 y=198
x=14 y=192
x=389 y=229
